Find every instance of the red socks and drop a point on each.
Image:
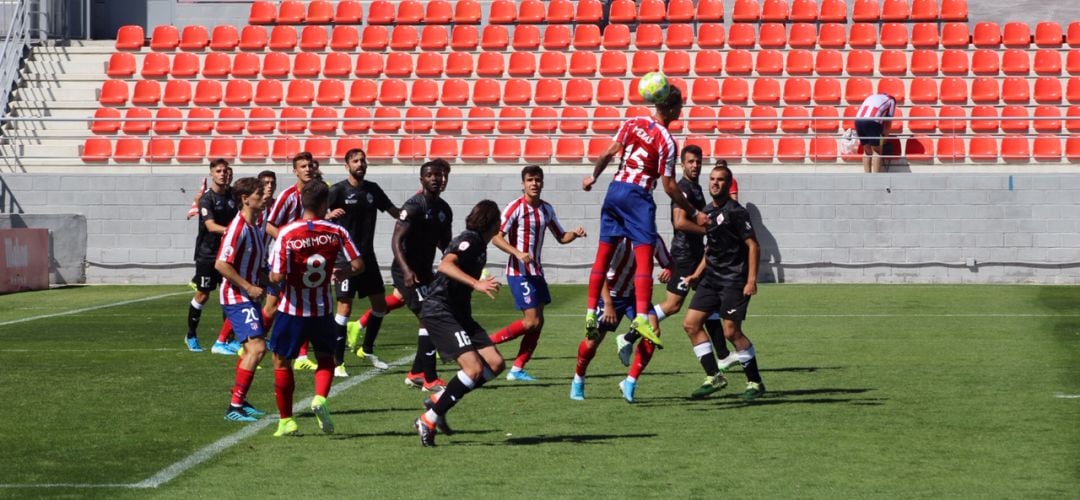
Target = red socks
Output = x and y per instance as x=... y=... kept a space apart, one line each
x=585 y=354
x=283 y=391
x=511 y=332
x=643 y=282
x=526 y=349
x=223 y=335
x=644 y=353
x=324 y=375
x=599 y=272
x=243 y=383
x=303 y=350
x=392 y=302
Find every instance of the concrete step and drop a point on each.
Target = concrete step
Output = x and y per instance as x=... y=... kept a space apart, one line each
x=48 y=95
x=60 y=84
x=39 y=111
x=42 y=126
x=64 y=67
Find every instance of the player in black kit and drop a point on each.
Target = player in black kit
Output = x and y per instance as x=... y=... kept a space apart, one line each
x=424 y=225
x=216 y=210
x=354 y=204
x=728 y=278
x=447 y=313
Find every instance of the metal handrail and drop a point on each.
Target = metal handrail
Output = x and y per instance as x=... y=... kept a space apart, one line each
x=16 y=40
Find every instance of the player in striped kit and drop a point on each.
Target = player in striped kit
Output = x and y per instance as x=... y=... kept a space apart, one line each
x=648 y=155
x=303 y=261
x=871 y=128
x=521 y=235
x=619 y=300
x=240 y=260
x=288 y=208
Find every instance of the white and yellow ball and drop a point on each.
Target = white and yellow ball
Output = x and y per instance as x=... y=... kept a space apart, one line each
x=654 y=87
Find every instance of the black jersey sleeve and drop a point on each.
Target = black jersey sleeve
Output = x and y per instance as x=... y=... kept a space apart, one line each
x=742 y=224
x=382 y=202
x=337 y=197
x=411 y=213
x=206 y=208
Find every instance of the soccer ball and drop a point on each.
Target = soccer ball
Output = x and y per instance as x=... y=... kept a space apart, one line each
x=654 y=87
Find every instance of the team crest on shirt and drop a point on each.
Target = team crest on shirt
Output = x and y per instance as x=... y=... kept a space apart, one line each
x=463 y=246
x=227 y=251
x=528 y=300
x=403 y=215
x=370 y=199
x=253 y=326
x=719 y=219
x=231 y=203
x=204 y=212
x=442 y=216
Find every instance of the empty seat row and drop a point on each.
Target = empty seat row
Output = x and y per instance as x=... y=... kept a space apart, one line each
x=862 y=11
x=738 y=62
x=948 y=148
x=382 y=12
x=614 y=37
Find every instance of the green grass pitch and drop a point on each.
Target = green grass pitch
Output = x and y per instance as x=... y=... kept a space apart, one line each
x=874 y=391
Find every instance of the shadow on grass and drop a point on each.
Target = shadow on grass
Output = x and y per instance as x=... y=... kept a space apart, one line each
x=795 y=396
x=560 y=438
x=361 y=411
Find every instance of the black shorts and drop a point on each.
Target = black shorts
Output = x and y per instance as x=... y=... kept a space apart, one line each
x=728 y=300
x=680 y=270
x=207 y=278
x=413 y=296
x=452 y=334
x=870 y=132
x=367 y=283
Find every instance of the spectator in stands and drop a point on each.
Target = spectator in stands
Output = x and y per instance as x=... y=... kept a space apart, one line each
x=871 y=125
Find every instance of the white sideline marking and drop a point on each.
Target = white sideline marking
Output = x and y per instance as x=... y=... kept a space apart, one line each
x=148 y=349
x=87 y=309
x=875 y=315
x=171 y=472
x=1066 y=396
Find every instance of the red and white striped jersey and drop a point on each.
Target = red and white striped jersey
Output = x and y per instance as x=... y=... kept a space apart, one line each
x=876 y=106
x=524 y=227
x=287 y=208
x=305 y=252
x=244 y=247
x=649 y=152
x=620 y=275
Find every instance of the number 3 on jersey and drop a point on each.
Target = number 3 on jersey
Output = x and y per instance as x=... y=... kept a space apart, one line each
x=315 y=274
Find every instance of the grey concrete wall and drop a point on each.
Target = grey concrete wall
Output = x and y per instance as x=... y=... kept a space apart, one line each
x=890 y=228
x=67 y=243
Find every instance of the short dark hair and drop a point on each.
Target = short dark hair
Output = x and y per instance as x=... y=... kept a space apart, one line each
x=219 y=161
x=532 y=170
x=314 y=195
x=244 y=186
x=436 y=163
x=483 y=216
x=267 y=173
x=691 y=149
x=304 y=155
x=674 y=99
x=720 y=162
x=722 y=165
x=352 y=153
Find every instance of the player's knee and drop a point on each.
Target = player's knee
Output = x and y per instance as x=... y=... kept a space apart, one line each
x=497 y=366
x=344 y=308
x=254 y=348
x=690 y=327
x=201 y=297
x=532 y=324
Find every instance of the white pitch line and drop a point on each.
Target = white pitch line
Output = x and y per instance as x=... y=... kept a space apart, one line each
x=148 y=349
x=206 y=453
x=87 y=309
x=882 y=315
x=1061 y=395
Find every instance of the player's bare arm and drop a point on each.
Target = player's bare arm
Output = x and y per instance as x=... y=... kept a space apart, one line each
x=609 y=305
x=448 y=266
x=398 y=248
x=230 y=273
x=214 y=227
x=601 y=164
x=500 y=242
x=696 y=276
x=681 y=222
x=356 y=266
x=569 y=236
x=671 y=187
x=394 y=211
x=752 y=263
x=276 y=278
x=272 y=230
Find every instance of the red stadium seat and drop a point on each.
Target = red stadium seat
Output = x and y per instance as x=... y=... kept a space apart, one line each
x=283 y=38
x=455 y=92
x=465 y=38
x=548 y=91
x=925 y=36
x=644 y=62
x=742 y=36
x=1016 y=35
x=828 y=62
x=356 y=121
x=543 y=120
x=734 y=91
x=216 y=65
x=136 y=121
x=985 y=62
x=324 y=120
x=1048 y=90
x=238 y=93
x=746 y=11
x=954 y=90
x=776 y=11
x=380 y=12
x=1015 y=62
x=569 y=149
x=160 y=150
x=130 y=37
x=799 y=62
x=766 y=91
x=986 y=35
x=556 y=37
x=955 y=36
x=495 y=38
x=711 y=36
x=448 y=120
x=649 y=36
x=710 y=11
x=491 y=63
x=409 y=12
x=254 y=149
x=1048 y=34
x=96 y=150
x=307 y=65
x=475 y=149
x=925 y=10
x=537 y=149
x=411 y=149
x=769 y=62
x=579 y=91
x=560 y=12
x=301 y=93
x=207 y=93
x=796 y=119
x=924 y=62
x=155 y=65
x=612 y=63
x=482 y=120
x=953 y=62
x=429 y=65
x=622 y=11
x=923 y=91
x=1015 y=90
x=680 y=11
x=1015 y=148
x=589 y=11
x=1047 y=119
x=286 y=148
x=857 y=89
x=1046 y=148
x=984 y=119
x=1015 y=119
x=582 y=64
x=587 y=37
x=833 y=11
x=399 y=65
x=891 y=62
x=434 y=38
x=268 y=92
x=190 y=150
x=1047 y=62
x=861 y=62
x=894 y=36
x=822 y=149
x=375 y=38
x=951 y=119
x=253 y=38
x=521 y=64
x=791 y=149
x=803 y=36
x=1072 y=37
x=573 y=120
x=404 y=38
x=261 y=121
x=727 y=147
x=369 y=64
x=826 y=91
x=552 y=64
x=894 y=87
x=386 y=120
x=863 y=36
x=224 y=38
x=199 y=121
x=128 y=150
x=983 y=148
x=866 y=11
x=275 y=65
x=896 y=10
x=424 y=92
x=345 y=144
x=290 y=12
x=418 y=120
x=506 y=149
x=731 y=119
x=706 y=90
x=606 y=119
x=502 y=12
x=146 y=92
x=195 y=38
x=676 y=62
x=954 y=10
x=919 y=149
x=314 y=38
x=702 y=119
x=106 y=121
x=337 y=65
x=320 y=12
x=1072 y=148
x=951 y=149
x=166 y=38
x=122 y=65
x=616 y=37
x=832 y=36
x=759 y=149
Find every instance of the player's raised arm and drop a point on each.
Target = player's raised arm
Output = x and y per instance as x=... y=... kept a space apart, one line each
x=601 y=164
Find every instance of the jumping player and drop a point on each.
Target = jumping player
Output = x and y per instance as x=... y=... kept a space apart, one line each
x=618 y=301
x=424 y=225
x=447 y=313
x=240 y=260
x=648 y=154
x=521 y=235
x=216 y=210
x=288 y=208
x=728 y=274
x=355 y=203
x=303 y=261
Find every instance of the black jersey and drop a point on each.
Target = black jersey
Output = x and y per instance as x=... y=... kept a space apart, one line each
x=471 y=252
x=362 y=205
x=427 y=227
x=728 y=255
x=221 y=209
x=688 y=247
